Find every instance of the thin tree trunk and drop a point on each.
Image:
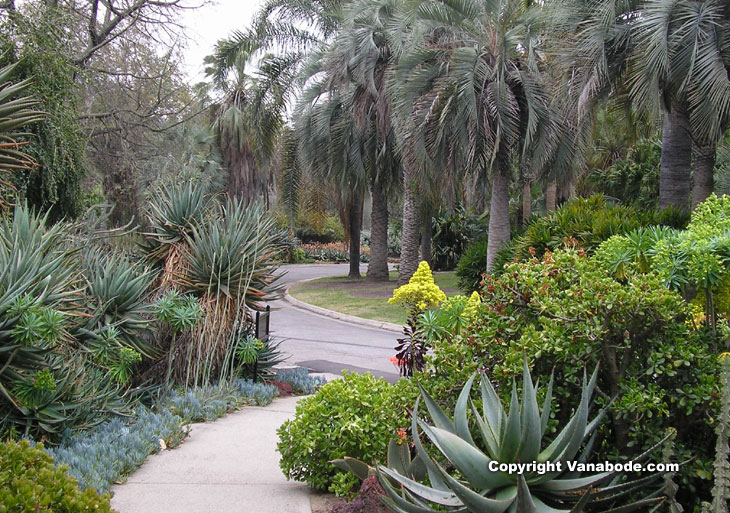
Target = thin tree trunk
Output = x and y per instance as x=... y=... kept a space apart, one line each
x=498 y=215
x=427 y=239
x=703 y=175
x=355 y=225
x=378 y=267
x=551 y=196
x=676 y=161
x=411 y=221
x=526 y=202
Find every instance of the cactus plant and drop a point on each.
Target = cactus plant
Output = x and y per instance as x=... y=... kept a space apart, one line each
x=514 y=437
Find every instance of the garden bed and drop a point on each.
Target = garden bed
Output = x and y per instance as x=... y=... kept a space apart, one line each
x=361 y=298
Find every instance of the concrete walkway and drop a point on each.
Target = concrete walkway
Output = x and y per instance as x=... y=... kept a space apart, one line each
x=227 y=466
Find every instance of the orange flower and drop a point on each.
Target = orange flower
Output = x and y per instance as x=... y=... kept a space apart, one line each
x=401 y=433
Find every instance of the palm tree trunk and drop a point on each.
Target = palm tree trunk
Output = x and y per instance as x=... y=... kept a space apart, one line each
x=411 y=219
x=551 y=196
x=703 y=175
x=498 y=215
x=355 y=225
x=378 y=267
x=427 y=239
x=526 y=203
x=676 y=161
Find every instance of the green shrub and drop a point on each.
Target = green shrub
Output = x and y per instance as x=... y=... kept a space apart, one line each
x=452 y=233
x=583 y=222
x=355 y=416
x=30 y=483
x=634 y=180
x=567 y=313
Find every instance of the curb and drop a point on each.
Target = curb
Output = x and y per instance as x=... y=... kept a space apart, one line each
x=388 y=326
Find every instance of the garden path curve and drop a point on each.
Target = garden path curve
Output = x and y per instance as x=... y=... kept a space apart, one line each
x=328 y=345
x=227 y=466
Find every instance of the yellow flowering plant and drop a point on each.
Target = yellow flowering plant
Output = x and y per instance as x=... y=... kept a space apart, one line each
x=420 y=292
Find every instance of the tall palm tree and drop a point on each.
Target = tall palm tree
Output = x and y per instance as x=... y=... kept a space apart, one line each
x=331 y=148
x=360 y=58
x=473 y=84
x=681 y=65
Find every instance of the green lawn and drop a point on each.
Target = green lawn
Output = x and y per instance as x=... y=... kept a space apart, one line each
x=361 y=298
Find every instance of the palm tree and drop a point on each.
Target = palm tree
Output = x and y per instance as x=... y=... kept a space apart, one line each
x=474 y=84
x=331 y=148
x=359 y=58
x=683 y=47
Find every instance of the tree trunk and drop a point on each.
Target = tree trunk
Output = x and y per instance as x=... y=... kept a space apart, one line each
x=498 y=215
x=526 y=203
x=551 y=196
x=427 y=239
x=355 y=225
x=676 y=161
x=378 y=267
x=703 y=175
x=411 y=220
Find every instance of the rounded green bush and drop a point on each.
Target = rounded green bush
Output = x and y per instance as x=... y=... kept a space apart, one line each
x=30 y=483
x=355 y=416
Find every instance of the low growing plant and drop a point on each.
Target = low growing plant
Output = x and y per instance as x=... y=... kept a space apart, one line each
x=300 y=380
x=30 y=482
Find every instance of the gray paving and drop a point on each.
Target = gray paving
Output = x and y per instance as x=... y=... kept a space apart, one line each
x=227 y=466
x=330 y=345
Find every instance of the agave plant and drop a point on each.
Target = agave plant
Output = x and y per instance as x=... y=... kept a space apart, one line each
x=16 y=112
x=230 y=267
x=175 y=211
x=117 y=292
x=512 y=437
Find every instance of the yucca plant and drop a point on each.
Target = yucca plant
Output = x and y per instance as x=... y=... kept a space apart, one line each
x=118 y=292
x=230 y=266
x=513 y=437
x=174 y=211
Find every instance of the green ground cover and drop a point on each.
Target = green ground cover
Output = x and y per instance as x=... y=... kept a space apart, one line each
x=361 y=298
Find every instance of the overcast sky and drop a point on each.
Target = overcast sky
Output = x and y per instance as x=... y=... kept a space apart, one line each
x=209 y=24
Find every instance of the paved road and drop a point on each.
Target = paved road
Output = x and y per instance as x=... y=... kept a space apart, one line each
x=328 y=345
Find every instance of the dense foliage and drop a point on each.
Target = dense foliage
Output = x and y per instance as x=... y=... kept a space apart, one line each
x=567 y=313
x=583 y=222
x=354 y=416
x=30 y=482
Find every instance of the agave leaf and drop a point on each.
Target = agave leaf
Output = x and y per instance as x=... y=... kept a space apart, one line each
x=445 y=498
x=487 y=435
x=510 y=442
x=530 y=418
x=582 y=503
x=524 y=502
x=474 y=501
x=399 y=457
x=434 y=476
x=398 y=504
x=460 y=419
x=440 y=419
x=353 y=465
x=568 y=485
x=470 y=461
x=545 y=415
x=417 y=469
x=494 y=415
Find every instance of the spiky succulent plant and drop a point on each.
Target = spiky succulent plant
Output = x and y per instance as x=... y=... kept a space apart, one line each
x=511 y=437
x=173 y=212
